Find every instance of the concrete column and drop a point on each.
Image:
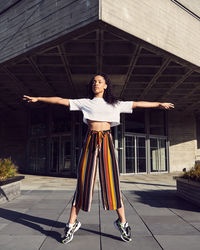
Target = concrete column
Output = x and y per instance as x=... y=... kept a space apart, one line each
x=182 y=138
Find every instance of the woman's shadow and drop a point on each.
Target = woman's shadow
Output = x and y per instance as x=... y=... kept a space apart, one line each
x=33 y=221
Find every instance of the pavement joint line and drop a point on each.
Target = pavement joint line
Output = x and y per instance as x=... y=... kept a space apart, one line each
x=55 y=223
x=99 y=217
x=143 y=221
x=183 y=219
x=178 y=214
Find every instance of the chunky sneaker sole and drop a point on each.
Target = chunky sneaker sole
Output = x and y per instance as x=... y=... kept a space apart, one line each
x=69 y=232
x=125 y=232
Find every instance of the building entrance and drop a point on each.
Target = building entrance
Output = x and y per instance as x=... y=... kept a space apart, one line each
x=143 y=155
x=60 y=155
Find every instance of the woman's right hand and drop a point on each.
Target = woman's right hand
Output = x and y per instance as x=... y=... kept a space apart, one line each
x=30 y=99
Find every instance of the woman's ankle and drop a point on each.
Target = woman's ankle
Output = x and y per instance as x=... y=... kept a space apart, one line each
x=123 y=221
x=70 y=225
x=72 y=221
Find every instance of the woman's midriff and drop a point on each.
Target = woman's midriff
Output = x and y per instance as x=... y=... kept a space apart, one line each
x=98 y=126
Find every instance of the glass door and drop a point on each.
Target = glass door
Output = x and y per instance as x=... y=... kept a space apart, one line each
x=65 y=166
x=37 y=155
x=141 y=154
x=54 y=155
x=135 y=154
x=163 y=154
x=130 y=154
x=60 y=154
x=158 y=155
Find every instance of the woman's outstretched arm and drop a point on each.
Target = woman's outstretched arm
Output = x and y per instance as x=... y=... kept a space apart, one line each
x=53 y=100
x=162 y=105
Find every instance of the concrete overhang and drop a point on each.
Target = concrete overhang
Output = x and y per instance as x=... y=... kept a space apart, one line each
x=161 y=23
x=53 y=48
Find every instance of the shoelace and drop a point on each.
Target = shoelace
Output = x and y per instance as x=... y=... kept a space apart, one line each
x=68 y=234
x=124 y=228
x=69 y=231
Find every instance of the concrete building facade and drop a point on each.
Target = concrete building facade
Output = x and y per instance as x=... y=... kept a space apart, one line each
x=150 y=50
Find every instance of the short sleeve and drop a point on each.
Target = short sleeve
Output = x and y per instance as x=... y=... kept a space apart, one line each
x=76 y=104
x=126 y=106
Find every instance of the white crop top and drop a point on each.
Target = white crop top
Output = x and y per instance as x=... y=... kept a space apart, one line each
x=97 y=109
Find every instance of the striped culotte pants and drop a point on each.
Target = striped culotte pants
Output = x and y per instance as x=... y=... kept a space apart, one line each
x=98 y=146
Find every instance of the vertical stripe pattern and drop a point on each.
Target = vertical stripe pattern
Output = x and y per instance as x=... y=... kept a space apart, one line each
x=98 y=147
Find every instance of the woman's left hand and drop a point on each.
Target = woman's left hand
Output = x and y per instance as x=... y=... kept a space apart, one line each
x=166 y=105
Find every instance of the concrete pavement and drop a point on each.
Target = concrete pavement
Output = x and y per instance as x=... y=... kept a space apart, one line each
x=159 y=219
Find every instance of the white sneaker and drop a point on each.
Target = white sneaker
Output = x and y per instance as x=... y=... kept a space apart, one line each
x=125 y=230
x=69 y=232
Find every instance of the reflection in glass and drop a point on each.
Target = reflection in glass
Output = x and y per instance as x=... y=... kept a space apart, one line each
x=135 y=154
x=154 y=154
x=130 y=154
x=60 y=154
x=54 y=166
x=141 y=154
x=32 y=155
x=158 y=154
x=163 y=155
x=66 y=156
x=42 y=146
x=37 y=155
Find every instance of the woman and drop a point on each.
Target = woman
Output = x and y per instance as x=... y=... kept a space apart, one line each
x=101 y=111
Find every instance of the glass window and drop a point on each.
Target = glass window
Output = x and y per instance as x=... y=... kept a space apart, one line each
x=61 y=120
x=141 y=154
x=84 y=132
x=158 y=157
x=163 y=155
x=157 y=122
x=135 y=154
x=198 y=132
x=37 y=155
x=42 y=154
x=120 y=146
x=130 y=154
x=54 y=166
x=32 y=155
x=66 y=153
x=135 y=122
x=38 y=122
x=60 y=152
x=154 y=154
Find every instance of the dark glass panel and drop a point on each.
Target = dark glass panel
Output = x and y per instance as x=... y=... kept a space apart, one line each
x=135 y=122
x=38 y=122
x=61 y=120
x=157 y=122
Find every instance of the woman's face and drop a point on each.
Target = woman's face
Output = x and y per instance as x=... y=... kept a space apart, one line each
x=99 y=85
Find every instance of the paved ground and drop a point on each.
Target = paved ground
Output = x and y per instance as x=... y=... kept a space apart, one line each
x=158 y=218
